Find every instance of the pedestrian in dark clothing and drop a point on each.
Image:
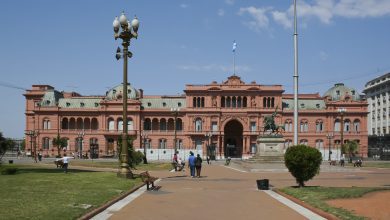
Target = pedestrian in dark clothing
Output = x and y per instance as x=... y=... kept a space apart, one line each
x=208 y=159
x=191 y=164
x=198 y=165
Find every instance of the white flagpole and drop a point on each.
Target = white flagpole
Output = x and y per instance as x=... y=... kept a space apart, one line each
x=234 y=62
x=295 y=75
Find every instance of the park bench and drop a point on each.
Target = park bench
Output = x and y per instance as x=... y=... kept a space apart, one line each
x=59 y=163
x=147 y=179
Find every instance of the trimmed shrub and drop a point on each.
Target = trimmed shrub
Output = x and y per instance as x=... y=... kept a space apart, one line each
x=138 y=157
x=303 y=162
x=9 y=170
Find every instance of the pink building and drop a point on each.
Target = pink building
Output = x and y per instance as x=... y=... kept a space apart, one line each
x=222 y=119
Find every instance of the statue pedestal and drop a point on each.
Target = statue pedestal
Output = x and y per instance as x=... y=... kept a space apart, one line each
x=269 y=149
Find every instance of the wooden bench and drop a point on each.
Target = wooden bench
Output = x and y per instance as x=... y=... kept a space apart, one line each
x=147 y=179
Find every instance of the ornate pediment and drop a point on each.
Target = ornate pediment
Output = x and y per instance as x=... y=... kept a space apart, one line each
x=234 y=80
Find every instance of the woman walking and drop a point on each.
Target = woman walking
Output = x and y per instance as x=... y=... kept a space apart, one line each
x=198 y=165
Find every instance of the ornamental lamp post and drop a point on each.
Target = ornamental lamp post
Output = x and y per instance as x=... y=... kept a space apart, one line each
x=124 y=30
x=33 y=134
x=80 y=136
x=175 y=113
x=144 y=136
x=330 y=137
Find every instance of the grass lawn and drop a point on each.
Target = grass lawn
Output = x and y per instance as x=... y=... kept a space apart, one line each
x=42 y=193
x=317 y=196
x=115 y=164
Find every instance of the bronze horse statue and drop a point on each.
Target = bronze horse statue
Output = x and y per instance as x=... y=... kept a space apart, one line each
x=269 y=124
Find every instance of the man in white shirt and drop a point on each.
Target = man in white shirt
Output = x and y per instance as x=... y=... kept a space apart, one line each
x=66 y=162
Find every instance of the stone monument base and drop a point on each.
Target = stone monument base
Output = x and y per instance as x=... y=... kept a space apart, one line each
x=269 y=149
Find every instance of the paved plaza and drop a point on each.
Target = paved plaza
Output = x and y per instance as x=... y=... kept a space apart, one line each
x=231 y=192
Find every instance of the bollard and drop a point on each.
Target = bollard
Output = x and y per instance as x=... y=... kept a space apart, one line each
x=263 y=184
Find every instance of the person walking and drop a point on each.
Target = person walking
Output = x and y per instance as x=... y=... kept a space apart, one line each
x=208 y=159
x=66 y=163
x=174 y=161
x=198 y=165
x=191 y=164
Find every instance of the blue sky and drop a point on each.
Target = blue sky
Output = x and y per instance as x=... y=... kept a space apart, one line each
x=70 y=45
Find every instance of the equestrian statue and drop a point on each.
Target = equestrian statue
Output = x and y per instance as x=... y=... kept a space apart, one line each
x=269 y=124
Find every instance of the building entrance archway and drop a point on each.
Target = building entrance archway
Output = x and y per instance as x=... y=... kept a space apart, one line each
x=233 y=131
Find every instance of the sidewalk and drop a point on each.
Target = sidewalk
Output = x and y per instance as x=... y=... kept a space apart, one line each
x=221 y=193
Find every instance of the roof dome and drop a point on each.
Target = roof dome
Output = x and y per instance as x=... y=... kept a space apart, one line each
x=117 y=92
x=340 y=92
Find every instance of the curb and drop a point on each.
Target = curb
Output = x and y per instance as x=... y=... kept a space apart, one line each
x=306 y=205
x=103 y=207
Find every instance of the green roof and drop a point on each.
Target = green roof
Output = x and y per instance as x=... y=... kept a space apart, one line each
x=338 y=91
x=317 y=104
x=149 y=103
x=51 y=98
x=79 y=103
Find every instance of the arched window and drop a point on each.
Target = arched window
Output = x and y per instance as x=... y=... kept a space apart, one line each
x=319 y=144
x=163 y=125
x=72 y=123
x=130 y=124
x=347 y=125
x=304 y=126
x=198 y=144
x=228 y=102
x=223 y=101
x=179 y=124
x=198 y=124
x=287 y=143
x=111 y=124
x=244 y=102
x=65 y=123
x=337 y=125
x=268 y=102
x=87 y=124
x=120 y=124
x=162 y=144
x=272 y=102
x=303 y=141
x=46 y=124
x=198 y=102
x=264 y=102
x=79 y=124
x=319 y=126
x=356 y=125
x=46 y=143
x=234 y=102
x=202 y=102
x=155 y=123
x=94 y=124
x=288 y=125
x=171 y=124
x=147 y=124
x=194 y=102
x=179 y=143
x=239 y=102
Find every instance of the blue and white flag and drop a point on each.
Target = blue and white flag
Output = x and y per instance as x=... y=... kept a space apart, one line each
x=234 y=46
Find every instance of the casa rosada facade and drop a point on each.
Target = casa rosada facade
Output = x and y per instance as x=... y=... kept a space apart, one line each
x=217 y=119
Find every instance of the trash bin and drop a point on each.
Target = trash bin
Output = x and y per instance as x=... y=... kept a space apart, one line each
x=10 y=161
x=263 y=184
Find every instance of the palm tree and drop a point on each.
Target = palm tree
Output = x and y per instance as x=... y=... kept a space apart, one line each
x=351 y=148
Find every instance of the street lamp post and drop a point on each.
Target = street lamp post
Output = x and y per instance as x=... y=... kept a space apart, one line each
x=80 y=136
x=33 y=134
x=144 y=136
x=175 y=113
x=127 y=32
x=208 y=135
x=329 y=136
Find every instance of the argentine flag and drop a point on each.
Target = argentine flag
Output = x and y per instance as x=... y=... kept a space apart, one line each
x=234 y=46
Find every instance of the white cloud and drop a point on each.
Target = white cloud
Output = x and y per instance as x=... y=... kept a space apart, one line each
x=229 y=2
x=260 y=19
x=214 y=68
x=323 y=10
x=221 y=12
x=183 y=5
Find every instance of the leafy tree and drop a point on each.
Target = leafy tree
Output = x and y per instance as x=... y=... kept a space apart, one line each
x=133 y=157
x=303 y=162
x=5 y=144
x=350 y=148
x=60 y=143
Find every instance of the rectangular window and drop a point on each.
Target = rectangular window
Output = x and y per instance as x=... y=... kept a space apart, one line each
x=253 y=126
x=253 y=148
x=214 y=126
